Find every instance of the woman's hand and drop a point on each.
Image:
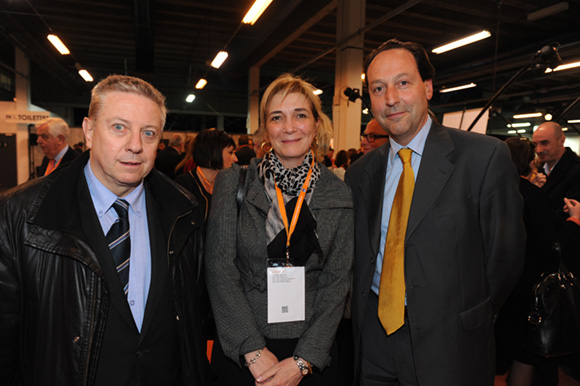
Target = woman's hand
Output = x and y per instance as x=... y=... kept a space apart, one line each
x=572 y=207
x=285 y=373
x=266 y=360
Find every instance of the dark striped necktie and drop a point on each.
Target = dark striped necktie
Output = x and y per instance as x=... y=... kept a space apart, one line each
x=120 y=243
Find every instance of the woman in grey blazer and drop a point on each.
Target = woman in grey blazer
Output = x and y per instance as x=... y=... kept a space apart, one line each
x=249 y=253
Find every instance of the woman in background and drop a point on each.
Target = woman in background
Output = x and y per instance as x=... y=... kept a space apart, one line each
x=212 y=151
x=246 y=244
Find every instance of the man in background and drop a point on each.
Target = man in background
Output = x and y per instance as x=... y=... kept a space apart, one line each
x=168 y=158
x=561 y=166
x=52 y=137
x=374 y=136
x=245 y=151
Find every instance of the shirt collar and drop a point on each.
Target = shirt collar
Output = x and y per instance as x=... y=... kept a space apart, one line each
x=103 y=198
x=417 y=144
x=61 y=153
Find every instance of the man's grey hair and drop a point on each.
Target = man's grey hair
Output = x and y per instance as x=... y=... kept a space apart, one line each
x=56 y=127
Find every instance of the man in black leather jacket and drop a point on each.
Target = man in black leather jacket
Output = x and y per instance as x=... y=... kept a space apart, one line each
x=64 y=319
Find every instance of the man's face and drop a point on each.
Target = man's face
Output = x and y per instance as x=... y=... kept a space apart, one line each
x=399 y=97
x=376 y=131
x=549 y=144
x=123 y=139
x=49 y=144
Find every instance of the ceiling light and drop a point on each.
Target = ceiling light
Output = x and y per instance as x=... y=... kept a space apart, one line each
x=451 y=89
x=219 y=59
x=362 y=76
x=564 y=129
x=462 y=42
x=201 y=84
x=256 y=11
x=530 y=115
x=573 y=121
x=317 y=91
x=521 y=131
x=548 y=117
x=564 y=67
x=548 y=11
x=190 y=98
x=58 y=44
x=523 y=124
x=85 y=75
x=365 y=111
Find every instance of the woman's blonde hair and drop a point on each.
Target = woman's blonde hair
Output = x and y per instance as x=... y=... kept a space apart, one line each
x=288 y=84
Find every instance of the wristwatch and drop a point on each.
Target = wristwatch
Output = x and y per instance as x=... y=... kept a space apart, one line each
x=305 y=368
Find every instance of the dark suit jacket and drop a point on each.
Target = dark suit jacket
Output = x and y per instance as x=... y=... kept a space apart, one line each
x=563 y=181
x=69 y=156
x=167 y=161
x=463 y=250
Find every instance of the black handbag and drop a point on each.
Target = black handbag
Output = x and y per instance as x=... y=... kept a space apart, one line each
x=554 y=320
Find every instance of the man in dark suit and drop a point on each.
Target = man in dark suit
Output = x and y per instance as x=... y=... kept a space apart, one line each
x=168 y=158
x=245 y=151
x=52 y=137
x=463 y=245
x=100 y=262
x=561 y=166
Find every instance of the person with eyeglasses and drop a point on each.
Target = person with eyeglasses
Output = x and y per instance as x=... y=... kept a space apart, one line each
x=374 y=136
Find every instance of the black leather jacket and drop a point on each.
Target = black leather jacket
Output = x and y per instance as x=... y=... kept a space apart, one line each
x=53 y=297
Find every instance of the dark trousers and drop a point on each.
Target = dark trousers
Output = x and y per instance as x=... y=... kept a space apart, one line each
x=385 y=360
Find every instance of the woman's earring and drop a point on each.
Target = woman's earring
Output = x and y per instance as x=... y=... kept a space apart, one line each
x=266 y=145
x=314 y=144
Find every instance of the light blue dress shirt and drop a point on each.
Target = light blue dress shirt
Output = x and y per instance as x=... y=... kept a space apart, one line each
x=394 y=170
x=140 y=265
x=61 y=153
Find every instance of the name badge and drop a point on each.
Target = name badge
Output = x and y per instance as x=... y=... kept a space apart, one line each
x=286 y=294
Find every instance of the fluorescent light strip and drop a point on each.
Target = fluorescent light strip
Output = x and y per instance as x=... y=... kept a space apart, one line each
x=521 y=131
x=573 y=121
x=462 y=42
x=256 y=11
x=219 y=59
x=451 y=89
x=190 y=98
x=564 y=67
x=200 y=84
x=58 y=44
x=318 y=92
x=85 y=75
x=523 y=124
x=530 y=115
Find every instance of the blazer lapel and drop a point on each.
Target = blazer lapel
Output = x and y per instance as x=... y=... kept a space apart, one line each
x=372 y=195
x=433 y=174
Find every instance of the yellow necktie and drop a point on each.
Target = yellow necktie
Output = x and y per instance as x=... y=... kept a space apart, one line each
x=392 y=286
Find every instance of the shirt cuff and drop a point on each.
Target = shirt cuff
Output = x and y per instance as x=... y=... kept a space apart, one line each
x=574 y=219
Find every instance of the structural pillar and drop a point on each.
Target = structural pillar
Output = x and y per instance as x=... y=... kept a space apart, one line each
x=349 y=62
x=253 y=119
x=22 y=102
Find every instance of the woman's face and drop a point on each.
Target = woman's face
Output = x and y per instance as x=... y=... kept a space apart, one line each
x=228 y=156
x=291 y=128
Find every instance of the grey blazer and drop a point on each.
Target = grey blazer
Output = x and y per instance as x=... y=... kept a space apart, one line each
x=464 y=250
x=237 y=285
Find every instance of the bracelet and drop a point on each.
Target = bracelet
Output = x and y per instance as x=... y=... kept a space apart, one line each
x=254 y=359
x=303 y=365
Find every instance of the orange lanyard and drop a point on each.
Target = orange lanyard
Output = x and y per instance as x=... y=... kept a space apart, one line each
x=52 y=165
x=296 y=213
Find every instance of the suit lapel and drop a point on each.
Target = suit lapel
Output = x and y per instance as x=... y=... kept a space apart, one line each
x=433 y=174
x=159 y=265
x=372 y=195
x=94 y=233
